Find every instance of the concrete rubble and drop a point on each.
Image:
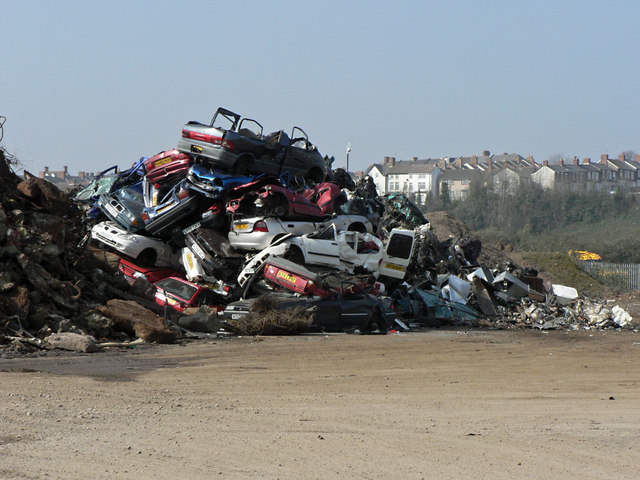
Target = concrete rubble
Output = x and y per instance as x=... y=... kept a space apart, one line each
x=63 y=285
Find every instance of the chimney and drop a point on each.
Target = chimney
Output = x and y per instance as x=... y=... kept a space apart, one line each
x=637 y=157
x=489 y=163
x=621 y=157
x=576 y=160
x=486 y=153
x=415 y=159
x=458 y=162
x=604 y=159
x=474 y=161
x=587 y=161
x=386 y=160
x=545 y=163
x=506 y=164
x=392 y=161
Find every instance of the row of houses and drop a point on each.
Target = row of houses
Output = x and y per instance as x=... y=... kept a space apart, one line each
x=505 y=172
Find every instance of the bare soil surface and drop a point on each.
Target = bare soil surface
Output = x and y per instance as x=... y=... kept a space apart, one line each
x=436 y=404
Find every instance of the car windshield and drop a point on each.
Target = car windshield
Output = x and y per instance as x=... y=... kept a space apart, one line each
x=97 y=187
x=177 y=288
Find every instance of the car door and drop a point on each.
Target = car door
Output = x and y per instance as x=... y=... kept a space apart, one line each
x=397 y=253
x=322 y=248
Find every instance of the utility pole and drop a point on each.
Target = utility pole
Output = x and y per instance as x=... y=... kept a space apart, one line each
x=348 y=150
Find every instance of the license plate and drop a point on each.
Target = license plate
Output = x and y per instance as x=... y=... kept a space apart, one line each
x=190 y=229
x=171 y=301
x=110 y=209
x=288 y=277
x=242 y=226
x=162 y=161
x=393 y=266
x=190 y=260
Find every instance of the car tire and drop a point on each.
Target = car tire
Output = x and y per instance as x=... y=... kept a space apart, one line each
x=242 y=166
x=375 y=324
x=280 y=207
x=314 y=175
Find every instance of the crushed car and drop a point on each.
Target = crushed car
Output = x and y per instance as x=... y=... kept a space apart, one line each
x=144 y=250
x=239 y=146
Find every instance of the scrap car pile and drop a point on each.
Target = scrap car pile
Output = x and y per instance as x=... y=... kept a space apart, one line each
x=240 y=231
x=233 y=218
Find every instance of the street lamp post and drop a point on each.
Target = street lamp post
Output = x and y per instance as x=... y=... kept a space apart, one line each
x=348 y=150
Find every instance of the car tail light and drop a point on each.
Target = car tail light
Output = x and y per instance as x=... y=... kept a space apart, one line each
x=203 y=137
x=228 y=145
x=182 y=194
x=157 y=186
x=145 y=217
x=260 y=226
x=227 y=288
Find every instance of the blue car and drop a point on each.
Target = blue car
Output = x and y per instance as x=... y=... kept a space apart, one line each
x=174 y=209
x=109 y=181
x=124 y=207
x=213 y=183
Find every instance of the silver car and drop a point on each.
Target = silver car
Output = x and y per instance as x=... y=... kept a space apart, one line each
x=239 y=146
x=258 y=233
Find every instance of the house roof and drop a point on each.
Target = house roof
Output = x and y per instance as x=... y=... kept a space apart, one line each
x=413 y=166
x=382 y=168
x=460 y=174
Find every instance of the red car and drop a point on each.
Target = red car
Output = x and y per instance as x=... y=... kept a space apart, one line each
x=294 y=277
x=130 y=271
x=166 y=165
x=181 y=294
x=278 y=201
x=327 y=195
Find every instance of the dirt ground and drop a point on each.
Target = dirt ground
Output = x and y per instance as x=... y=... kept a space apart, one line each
x=436 y=404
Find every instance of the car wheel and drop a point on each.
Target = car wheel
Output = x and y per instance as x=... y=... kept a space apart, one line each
x=280 y=208
x=241 y=167
x=147 y=258
x=376 y=324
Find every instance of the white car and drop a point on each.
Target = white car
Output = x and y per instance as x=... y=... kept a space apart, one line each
x=145 y=251
x=195 y=272
x=343 y=250
x=258 y=233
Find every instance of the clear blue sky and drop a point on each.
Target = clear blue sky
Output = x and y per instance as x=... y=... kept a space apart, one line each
x=89 y=84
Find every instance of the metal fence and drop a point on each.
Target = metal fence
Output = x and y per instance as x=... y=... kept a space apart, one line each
x=625 y=276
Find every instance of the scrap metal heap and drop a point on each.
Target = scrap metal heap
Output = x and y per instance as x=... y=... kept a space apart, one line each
x=198 y=247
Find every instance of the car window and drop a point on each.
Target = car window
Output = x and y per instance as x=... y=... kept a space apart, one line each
x=181 y=289
x=400 y=245
x=326 y=234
